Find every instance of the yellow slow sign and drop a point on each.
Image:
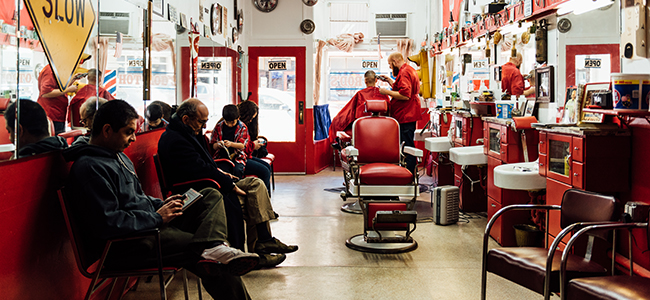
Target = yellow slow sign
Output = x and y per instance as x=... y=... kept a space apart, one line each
x=64 y=27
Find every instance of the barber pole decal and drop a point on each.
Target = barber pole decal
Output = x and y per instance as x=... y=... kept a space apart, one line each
x=194 y=37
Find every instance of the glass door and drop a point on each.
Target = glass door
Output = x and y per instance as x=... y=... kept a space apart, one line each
x=277 y=84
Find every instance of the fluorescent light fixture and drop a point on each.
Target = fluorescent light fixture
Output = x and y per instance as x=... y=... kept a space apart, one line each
x=579 y=7
x=592 y=5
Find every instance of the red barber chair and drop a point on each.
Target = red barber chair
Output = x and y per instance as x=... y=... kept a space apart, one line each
x=377 y=176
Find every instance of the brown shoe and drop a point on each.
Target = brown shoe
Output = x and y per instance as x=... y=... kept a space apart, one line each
x=274 y=246
x=270 y=260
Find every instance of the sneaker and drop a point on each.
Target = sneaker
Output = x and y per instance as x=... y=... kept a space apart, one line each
x=270 y=260
x=236 y=261
x=274 y=246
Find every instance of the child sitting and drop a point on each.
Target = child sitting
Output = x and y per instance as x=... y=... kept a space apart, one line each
x=229 y=137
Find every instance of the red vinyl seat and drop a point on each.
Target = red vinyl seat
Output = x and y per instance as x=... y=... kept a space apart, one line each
x=384 y=174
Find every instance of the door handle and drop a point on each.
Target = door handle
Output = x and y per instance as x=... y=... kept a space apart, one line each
x=301 y=112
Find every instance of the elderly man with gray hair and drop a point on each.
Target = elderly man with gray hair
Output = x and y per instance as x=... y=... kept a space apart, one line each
x=87 y=115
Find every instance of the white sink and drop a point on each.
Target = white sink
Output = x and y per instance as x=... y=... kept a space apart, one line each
x=519 y=176
x=466 y=156
x=437 y=144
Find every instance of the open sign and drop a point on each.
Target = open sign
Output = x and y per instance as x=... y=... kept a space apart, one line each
x=277 y=65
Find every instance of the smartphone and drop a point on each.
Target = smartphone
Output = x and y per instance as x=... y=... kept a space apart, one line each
x=189 y=198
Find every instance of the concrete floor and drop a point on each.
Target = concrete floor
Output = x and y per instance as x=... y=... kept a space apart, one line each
x=446 y=264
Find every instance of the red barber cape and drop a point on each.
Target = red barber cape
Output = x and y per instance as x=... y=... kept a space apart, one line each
x=89 y=90
x=354 y=109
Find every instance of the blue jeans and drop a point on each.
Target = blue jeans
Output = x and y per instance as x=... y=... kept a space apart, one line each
x=259 y=168
x=407 y=135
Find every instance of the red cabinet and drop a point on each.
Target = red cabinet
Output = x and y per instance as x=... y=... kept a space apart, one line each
x=597 y=161
x=467 y=129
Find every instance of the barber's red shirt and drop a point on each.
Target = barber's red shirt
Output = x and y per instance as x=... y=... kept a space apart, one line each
x=407 y=84
x=55 y=108
x=89 y=90
x=511 y=79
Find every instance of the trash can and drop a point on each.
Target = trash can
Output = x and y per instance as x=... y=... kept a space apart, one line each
x=528 y=235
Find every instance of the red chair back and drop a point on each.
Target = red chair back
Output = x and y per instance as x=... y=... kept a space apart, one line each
x=71 y=135
x=161 y=176
x=82 y=259
x=377 y=139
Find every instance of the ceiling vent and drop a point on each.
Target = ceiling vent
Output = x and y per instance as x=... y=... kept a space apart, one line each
x=391 y=25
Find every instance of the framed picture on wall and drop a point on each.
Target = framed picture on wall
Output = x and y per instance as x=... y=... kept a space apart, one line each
x=545 y=84
x=585 y=101
x=569 y=107
x=158 y=7
x=530 y=108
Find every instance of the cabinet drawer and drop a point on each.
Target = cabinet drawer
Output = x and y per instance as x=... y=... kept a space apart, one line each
x=554 y=192
x=577 y=152
x=493 y=191
x=508 y=136
x=543 y=144
x=577 y=169
x=492 y=209
x=543 y=164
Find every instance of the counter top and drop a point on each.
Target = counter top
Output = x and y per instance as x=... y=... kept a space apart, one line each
x=584 y=130
x=496 y=120
x=464 y=113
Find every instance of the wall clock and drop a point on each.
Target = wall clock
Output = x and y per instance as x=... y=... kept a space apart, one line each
x=307 y=26
x=265 y=5
x=310 y=2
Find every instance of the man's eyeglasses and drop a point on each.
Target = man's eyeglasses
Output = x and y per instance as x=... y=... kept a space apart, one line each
x=83 y=121
x=202 y=122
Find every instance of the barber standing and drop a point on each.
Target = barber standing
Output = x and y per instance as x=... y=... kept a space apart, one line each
x=405 y=102
x=512 y=82
x=52 y=99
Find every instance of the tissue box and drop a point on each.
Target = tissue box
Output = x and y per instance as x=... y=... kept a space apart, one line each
x=504 y=111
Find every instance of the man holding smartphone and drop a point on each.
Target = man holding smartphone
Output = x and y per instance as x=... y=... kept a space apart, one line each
x=405 y=102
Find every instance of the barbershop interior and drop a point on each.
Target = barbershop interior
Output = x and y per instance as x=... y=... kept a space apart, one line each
x=413 y=149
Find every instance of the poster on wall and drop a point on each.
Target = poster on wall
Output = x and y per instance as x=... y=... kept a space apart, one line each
x=201 y=5
x=158 y=7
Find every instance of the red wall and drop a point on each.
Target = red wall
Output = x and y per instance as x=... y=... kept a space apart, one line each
x=36 y=258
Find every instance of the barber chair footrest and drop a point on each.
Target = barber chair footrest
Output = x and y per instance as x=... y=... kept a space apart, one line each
x=396 y=216
x=389 y=239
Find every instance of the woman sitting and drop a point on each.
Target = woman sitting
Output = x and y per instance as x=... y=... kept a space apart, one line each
x=256 y=147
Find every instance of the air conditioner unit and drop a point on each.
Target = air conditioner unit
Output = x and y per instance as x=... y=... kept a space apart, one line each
x=112 y=22
x=391 y=25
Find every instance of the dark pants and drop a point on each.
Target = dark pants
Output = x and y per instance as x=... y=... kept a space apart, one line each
x=59 y=127
x=183 y=240
x=259 y=168
x=407 y=135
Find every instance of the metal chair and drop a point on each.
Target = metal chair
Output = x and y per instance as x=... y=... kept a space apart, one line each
x=538 y=269
x=180 y=188
x=377 y=176
x=606 y=287
x=100 y=274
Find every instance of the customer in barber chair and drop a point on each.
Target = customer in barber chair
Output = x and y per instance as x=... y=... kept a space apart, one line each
x=33 y=130
x=184 y=156
x=86 y=117
x=356 y=107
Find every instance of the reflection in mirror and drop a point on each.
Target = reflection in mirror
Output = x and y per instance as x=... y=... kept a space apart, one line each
x=26 y=75
x=121 y=61
x=163 y=60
